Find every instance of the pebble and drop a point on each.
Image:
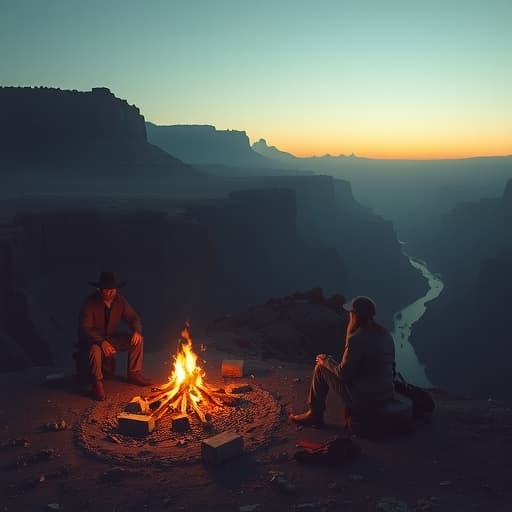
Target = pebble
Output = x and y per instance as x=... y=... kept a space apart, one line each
x=20 y=443
x=55 y=376
x=283 y=484
x=390 y=504
x=250 y=508
x=308 y=506
x=423 y=505
x=56 y=426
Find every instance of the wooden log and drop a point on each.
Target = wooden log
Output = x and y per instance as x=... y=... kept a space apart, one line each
x=209 y=396
x=198 y=411
x=135 y=424
x=161 y=413
x=169 y=397
x=180 y=423
x=138 y=405
x=157 y=398
x=221 y=447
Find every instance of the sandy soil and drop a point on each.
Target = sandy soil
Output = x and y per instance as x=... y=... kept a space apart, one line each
x=461 y=461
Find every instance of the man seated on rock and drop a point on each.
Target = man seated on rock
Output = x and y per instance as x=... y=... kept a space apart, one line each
x=364 y=378
x=99 y=340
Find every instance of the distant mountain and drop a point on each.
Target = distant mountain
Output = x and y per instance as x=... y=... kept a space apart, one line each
x=411 y=193
x=319 y=163
x=204 y=144
x=264 y=149
x=74 y=133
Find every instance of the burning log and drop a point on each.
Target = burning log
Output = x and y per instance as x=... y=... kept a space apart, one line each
x=185 y=390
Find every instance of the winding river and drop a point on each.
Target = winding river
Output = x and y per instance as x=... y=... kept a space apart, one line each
x=407 y=362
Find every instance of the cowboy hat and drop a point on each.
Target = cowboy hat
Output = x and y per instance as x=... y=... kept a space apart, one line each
x=108 y=279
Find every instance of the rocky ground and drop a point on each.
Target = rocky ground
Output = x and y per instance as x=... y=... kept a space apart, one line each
x=461 y=461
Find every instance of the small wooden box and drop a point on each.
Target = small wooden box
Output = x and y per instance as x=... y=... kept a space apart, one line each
x=221 y=447
x=232 y=368
x=135 y=424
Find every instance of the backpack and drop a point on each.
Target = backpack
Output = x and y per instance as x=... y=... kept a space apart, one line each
x=423 y=403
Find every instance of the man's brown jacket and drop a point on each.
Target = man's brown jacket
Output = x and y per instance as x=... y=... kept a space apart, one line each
x=92 y=329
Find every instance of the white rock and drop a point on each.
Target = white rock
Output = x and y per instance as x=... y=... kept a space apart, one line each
x=390 y=504
x=249 y=508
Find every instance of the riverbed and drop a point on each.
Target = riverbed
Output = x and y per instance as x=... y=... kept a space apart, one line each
x=407 y=362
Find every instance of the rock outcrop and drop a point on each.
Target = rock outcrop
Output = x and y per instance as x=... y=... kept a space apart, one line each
x=289 y=328
x=51 y=122
x=53 y=132
x=204 y=144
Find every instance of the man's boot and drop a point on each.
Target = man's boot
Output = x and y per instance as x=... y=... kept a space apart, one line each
x=138 y=379
x=98 y=393
x=311 y=417
x=108 y=366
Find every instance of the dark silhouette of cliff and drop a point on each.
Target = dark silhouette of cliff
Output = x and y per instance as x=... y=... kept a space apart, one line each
x=464 y=337
x=204 y=144
x=194 y=258
x=58 y=132
x=198 y=264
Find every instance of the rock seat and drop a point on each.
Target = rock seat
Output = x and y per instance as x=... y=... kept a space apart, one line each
x=380 y=420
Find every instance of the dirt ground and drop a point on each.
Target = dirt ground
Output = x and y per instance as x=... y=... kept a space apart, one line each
x=460 y=461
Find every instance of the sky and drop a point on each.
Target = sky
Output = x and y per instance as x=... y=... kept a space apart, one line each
x=378 y=78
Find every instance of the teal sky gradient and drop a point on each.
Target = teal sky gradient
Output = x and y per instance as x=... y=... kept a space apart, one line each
x=379 y=78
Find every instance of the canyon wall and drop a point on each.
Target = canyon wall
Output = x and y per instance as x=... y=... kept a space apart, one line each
x=216 y=257
x=204 y=144
x=47 y=132
x=330 y=218
x=468 y=327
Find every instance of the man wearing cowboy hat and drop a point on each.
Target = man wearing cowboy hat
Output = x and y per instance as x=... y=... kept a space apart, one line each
x=99 y=339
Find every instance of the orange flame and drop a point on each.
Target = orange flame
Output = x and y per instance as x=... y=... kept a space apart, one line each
x=185 y=387
x=186 y=378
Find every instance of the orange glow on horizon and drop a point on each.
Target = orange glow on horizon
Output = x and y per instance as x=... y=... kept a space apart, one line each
x=388 y=149
x=401 y=155
x=433 y=138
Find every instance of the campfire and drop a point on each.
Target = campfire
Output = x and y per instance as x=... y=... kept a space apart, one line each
x=185 y=391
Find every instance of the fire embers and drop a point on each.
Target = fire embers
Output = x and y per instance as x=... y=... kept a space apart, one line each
x=184 y=393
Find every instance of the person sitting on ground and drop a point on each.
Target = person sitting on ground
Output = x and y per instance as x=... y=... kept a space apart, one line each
x=99 y=339
x=364 y=378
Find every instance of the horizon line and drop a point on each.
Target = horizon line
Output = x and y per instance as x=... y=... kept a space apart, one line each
x=352 y=154
x=405 y=159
